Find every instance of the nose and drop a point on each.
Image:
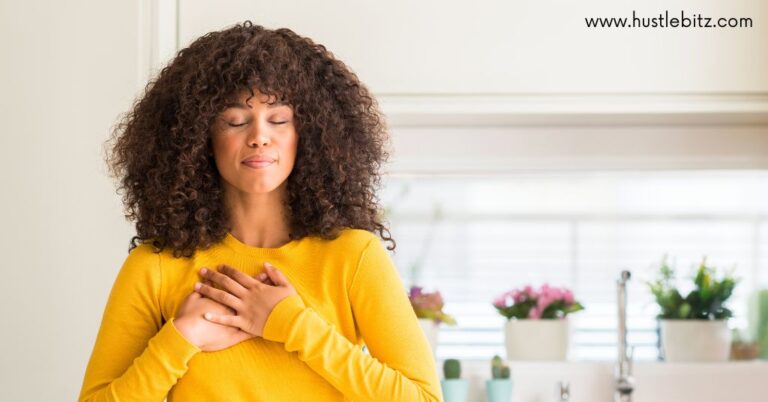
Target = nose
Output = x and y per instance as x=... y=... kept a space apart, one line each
x=258 y=137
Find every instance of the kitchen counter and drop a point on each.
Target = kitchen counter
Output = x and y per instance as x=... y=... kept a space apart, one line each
x=738 y=381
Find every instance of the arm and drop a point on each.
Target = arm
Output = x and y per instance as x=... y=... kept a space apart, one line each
x=136 y=357
x=400 y=366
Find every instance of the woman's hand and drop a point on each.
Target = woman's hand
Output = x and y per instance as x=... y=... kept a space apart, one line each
x=252 y=299
x=202 y=333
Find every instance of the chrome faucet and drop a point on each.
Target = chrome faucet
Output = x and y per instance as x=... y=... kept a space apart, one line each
x=623 y=373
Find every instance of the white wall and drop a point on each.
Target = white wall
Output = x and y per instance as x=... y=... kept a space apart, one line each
x=67 y=69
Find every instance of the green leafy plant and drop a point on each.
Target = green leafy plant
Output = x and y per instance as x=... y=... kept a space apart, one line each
x=499 y=370
x=706 y=300
x=452 y=369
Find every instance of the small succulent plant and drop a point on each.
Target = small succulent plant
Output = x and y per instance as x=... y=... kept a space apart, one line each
x=499 y=370
x=452 y=369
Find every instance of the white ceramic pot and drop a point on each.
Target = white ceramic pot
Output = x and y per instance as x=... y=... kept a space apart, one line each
x=455 y=390
x=498 y=390
x=431 y=330
x=695 y=340
x=546 y=339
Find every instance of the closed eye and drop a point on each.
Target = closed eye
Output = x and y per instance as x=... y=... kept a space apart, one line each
x=242 y=124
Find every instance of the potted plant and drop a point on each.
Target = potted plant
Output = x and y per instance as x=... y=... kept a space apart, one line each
x=537 y=327
x=429 y=310
x=694 y=327
x=499 y=387
x=455 y=388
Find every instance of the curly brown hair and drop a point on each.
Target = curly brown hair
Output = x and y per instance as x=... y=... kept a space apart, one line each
x=162 y=153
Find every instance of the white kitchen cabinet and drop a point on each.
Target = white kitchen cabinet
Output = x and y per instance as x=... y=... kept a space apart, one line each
x=515 y=46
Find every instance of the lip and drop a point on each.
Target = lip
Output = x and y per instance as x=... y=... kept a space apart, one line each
x=256 y=164
x=259 y=158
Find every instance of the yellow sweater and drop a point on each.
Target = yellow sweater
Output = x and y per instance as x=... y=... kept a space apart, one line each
x=349 y=292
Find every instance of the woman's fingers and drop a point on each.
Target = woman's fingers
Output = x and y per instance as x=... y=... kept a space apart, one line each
x=277 y=277
x=220 y=296
x=228 y=320
x=262 y=277
x=225 y=282
x=239 y=277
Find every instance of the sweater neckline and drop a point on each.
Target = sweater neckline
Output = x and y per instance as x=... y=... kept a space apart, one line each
x=237 y=245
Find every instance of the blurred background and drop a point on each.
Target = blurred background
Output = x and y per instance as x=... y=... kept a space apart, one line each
x=527 y=148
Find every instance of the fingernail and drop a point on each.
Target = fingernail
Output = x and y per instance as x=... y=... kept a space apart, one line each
x=203 y=271
x=197 y=286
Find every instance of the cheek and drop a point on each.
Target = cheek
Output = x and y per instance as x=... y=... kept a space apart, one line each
x=290 y=148
x=223 y=152
x=293 y=148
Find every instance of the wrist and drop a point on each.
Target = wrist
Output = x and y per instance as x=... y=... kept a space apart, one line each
x=187 y=329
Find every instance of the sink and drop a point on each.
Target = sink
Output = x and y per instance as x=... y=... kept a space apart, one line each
x=654 y=381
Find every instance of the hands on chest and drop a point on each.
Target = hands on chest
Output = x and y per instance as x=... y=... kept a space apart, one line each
x=215 y=318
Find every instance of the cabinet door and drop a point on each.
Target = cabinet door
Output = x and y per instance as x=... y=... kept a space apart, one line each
x=518 y=46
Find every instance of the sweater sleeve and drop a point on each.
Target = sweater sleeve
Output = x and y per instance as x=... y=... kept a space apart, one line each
x=400 y=366
x=136 y=357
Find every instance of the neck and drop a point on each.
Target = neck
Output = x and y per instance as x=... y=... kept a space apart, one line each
x=258 y=220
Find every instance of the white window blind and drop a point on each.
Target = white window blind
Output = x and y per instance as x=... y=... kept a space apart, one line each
x=473 y=237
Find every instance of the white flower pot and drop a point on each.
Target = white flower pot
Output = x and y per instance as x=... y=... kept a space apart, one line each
x=546 y=339
x=431 y=329
x=695 y=340
x=455 y=390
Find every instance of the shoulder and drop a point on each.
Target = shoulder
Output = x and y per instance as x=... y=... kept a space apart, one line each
x=353 y=243
x=355 y=238
x=142 y=261
x=145 y=253
x=356 y=241
x=365 y=245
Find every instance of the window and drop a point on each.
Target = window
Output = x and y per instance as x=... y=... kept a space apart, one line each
x=473 y=237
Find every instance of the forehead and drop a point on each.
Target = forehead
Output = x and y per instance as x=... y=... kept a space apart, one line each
x=246 y=100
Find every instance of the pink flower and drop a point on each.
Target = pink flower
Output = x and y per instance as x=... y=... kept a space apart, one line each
x=568 y=297
x=429 y=305
x=535 y=301
x=543 y=302
x=501 y=301
x=424 y=300
x=528 y=290
x=551 y=293
x=517 y=296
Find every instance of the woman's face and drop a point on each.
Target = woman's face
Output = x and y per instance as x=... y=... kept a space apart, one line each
x=254 y=144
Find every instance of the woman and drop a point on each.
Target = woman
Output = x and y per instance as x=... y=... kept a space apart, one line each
x=249 y=166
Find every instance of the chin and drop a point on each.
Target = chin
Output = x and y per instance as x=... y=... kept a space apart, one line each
x=261 y=190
